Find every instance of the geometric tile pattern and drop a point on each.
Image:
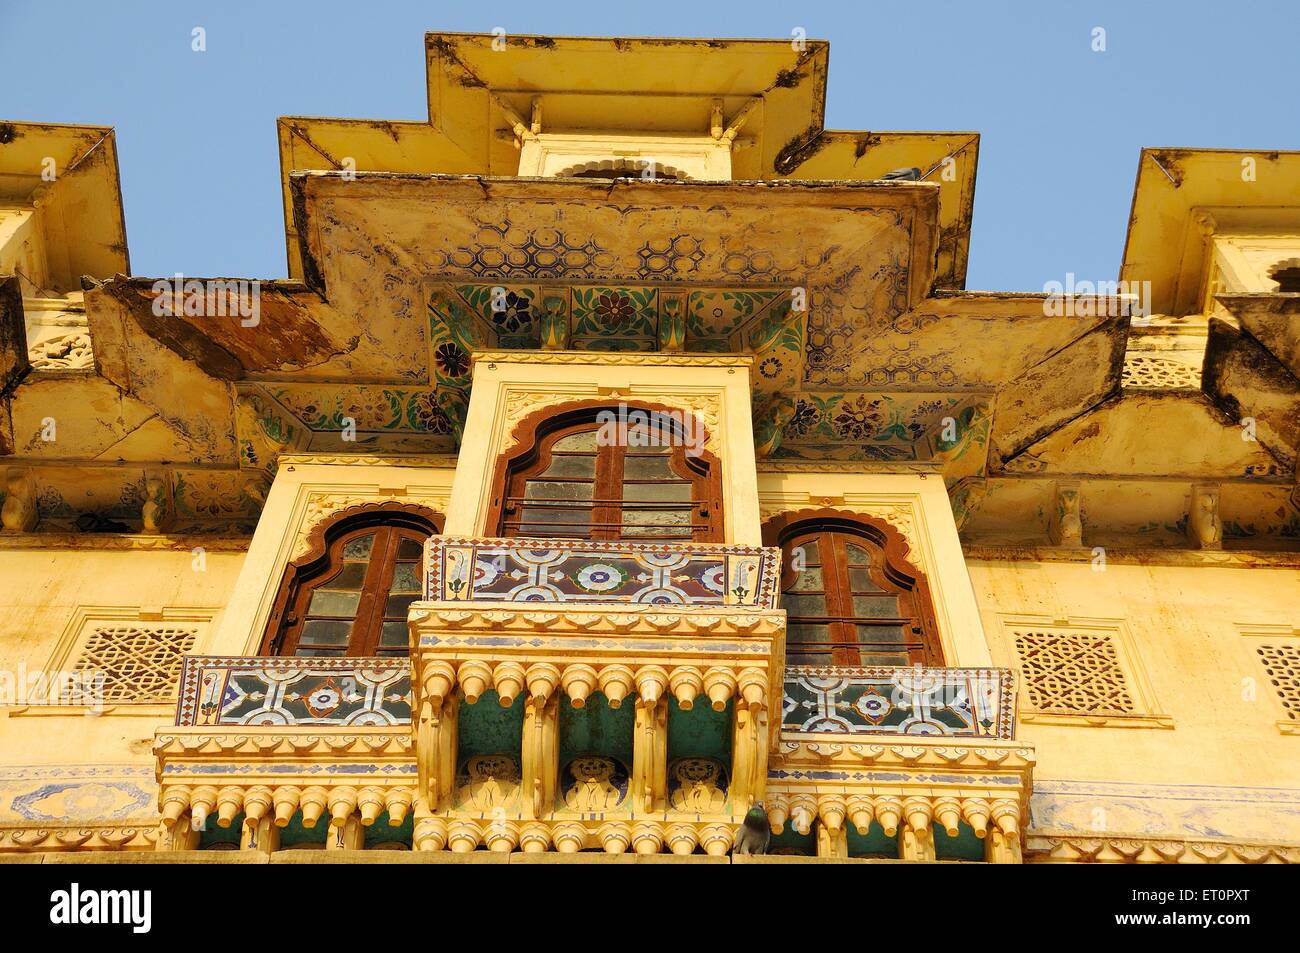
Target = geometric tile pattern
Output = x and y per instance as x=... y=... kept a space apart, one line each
x=585 y=571
x=232 y=690
x=1282 y=663
x=137 y=663
x=881 y=700
x=1074 y=673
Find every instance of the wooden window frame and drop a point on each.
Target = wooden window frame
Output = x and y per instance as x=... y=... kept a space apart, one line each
x=890 y=570
x=537 y=434
x=323 y=560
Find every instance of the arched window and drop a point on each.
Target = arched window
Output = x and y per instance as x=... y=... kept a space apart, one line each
x=603 y=473
x=349 y=594
x=850 y=596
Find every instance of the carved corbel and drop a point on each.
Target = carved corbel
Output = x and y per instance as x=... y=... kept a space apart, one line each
x=435 y=734
x=579 y=681
x=769 y=425
x=832 y=843
x=1204 y=525
x=719 y=684
x=748 y=756
x=778 y=811
x=616 y=683
x=284 y=801
x=1066 y=524
x=508 y=678
x=649 y=781
x=803 y=811
x=430 y=830
x=917 y=840
x=259 y=831
x=19 y=513
x=686 y=683
x=540 y=749
x=157 y=513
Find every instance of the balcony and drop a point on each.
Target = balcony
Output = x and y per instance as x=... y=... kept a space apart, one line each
x=544 y=641
x=916 y=761
x=270 y=741
x=615 y=696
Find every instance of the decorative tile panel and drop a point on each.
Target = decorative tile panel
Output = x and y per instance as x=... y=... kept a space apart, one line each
x=618 y=572
x=355 y=692
x=949 y=702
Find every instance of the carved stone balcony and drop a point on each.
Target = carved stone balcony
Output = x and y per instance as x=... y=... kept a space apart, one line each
x=916 y=755
x=577 y=726
x=271 y=739
x=689 y=634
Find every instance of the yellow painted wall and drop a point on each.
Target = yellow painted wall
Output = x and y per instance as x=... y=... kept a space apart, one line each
x=67 y=762
x=1221 y=765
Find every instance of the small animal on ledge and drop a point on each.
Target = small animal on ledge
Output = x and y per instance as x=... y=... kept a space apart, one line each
x=755 y=832
x=912 y=174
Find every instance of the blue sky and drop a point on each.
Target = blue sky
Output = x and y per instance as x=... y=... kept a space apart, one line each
x=1061 y=125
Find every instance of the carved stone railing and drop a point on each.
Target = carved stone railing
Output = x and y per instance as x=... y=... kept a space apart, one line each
x=904 y=752
x=223 y=691
x=944 y=702
x=666 y=575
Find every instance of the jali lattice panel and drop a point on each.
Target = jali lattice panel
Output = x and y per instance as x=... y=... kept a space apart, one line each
x=1282 y=664
x=135 y=662
x=1073 y=672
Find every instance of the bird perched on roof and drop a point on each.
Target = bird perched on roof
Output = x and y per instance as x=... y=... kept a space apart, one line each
x=755 y=832
x=908 y=175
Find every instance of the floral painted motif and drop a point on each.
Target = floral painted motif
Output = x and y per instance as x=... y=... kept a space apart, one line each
x=516 y=314
x=451 y=359
x=860 y=418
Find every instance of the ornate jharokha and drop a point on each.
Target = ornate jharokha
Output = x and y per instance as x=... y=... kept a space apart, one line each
x=575 y=638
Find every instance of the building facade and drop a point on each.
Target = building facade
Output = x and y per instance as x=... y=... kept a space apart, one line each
x=624 y=453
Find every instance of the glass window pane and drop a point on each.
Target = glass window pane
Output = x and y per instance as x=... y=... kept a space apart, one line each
x=570 y=465
x=801 y=633
x=882 y=634
x=410 y=548
x=394 y=633
x=804 y=605
x=857 y=555
x=351 y=576
x=359 y=548
x=657 y=532
x=321 y=632
x=655 y=467
x=860 y=581
x=396 y=606
x=811 y=552
x=899 y=659
x=406 y=578
x=586 y=440
x=633 y=519
x=657 y=492
x=319 y=652
x=550 y=490
x=809 y=578
x=808 y=658
x=571 y=517
x=328 y=602
x=875 y=607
